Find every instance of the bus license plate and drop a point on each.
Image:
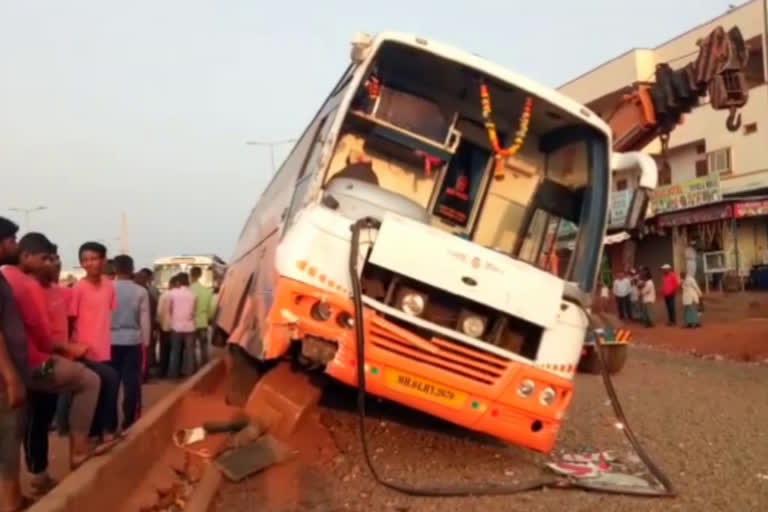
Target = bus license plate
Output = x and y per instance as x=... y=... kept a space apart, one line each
x=425 y=389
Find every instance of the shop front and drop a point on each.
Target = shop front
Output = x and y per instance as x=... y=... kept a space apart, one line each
x=692 y=227
x=751 y=239
x=702 y=235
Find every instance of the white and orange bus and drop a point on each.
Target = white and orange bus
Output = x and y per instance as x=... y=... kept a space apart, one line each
x=467 y=170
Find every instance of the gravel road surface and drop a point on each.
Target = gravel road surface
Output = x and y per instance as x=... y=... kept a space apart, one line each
x=705 y=422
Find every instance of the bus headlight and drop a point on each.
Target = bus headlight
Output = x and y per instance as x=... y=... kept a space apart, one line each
x=526 y=388
x=412 y=303
x=473 y=326
x=547 y=397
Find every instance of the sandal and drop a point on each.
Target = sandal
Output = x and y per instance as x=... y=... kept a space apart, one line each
x=106 y=445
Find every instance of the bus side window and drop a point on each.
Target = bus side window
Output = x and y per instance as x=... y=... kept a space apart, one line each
x=312 y=160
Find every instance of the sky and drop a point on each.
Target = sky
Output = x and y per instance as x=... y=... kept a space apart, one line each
x=144 y=107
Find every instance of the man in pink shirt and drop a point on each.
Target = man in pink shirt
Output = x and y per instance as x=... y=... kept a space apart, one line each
x=50 y=373
x=90 y=311
x=182 y=305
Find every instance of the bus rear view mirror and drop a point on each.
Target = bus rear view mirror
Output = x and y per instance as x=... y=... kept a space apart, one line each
x=643 y=165
x=639 y=168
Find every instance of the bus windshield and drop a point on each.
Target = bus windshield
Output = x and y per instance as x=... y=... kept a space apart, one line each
x=486 y=160
x=165 y=271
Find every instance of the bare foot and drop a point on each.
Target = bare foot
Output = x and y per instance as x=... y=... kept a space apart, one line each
x=41 y=484
x=78 y=459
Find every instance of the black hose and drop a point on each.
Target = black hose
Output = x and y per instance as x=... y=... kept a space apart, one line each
x=655 y=470
x=458 y=490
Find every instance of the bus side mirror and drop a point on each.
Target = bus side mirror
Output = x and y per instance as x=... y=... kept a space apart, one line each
x=643 y=165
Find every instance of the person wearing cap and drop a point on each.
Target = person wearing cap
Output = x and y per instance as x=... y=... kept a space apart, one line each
x=669 y=287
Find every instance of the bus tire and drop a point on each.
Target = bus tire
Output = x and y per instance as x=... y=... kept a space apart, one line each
x=615 y=357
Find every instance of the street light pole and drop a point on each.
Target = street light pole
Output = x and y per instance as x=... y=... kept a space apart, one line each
x=27 y=214
x=271 y=145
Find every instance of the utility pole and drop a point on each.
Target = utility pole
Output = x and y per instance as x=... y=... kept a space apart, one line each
x=271 y=145
x=124 y=234
x=27 y=214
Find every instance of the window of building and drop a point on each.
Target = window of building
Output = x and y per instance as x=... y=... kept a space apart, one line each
x=665 y=171
x=719 y=161
x=621 y=184
x=701 y=168
x=754 y=72
x=750 y=128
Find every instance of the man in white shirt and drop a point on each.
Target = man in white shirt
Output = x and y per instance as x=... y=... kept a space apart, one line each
x=690 y=259
x=182 y=304
x=164 y=326
x=647 y=297
x=634 y=294
x=622 y=287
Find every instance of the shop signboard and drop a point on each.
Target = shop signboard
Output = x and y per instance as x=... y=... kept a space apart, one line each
x=689 y=194
x=750 y=209
x=621 y=201
x=700 y=215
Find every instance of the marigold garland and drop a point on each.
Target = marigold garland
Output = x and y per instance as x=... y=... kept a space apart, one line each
x=499 y=152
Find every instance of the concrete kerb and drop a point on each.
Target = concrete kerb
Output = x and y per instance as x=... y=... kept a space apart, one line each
x=205 y=493
x=105 y=483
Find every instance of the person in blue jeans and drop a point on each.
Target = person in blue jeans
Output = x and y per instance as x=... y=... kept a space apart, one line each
x=130 y=332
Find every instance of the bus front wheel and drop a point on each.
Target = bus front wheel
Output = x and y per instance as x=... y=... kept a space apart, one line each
x=615 y=357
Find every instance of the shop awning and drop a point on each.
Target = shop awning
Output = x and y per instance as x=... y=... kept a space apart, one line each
x=616 y=238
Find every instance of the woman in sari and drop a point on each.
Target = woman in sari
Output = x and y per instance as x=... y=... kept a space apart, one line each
x=691 y=299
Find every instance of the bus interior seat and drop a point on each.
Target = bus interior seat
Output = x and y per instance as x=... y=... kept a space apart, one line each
x=397 y=170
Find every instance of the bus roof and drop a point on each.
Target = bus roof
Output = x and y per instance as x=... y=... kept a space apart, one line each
x=200 y=259
x=500 y=72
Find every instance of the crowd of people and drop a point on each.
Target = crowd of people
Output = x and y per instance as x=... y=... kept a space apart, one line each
x=635 y=294
x=66 y=351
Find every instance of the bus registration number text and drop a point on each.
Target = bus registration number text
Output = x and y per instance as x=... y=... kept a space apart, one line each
x=425 y=389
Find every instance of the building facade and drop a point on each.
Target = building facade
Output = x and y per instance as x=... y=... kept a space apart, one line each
x=713 y=183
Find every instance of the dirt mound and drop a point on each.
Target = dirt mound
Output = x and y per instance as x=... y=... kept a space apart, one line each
x=745 y=340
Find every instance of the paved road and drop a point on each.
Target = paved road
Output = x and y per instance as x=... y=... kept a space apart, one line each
x=705 y=422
